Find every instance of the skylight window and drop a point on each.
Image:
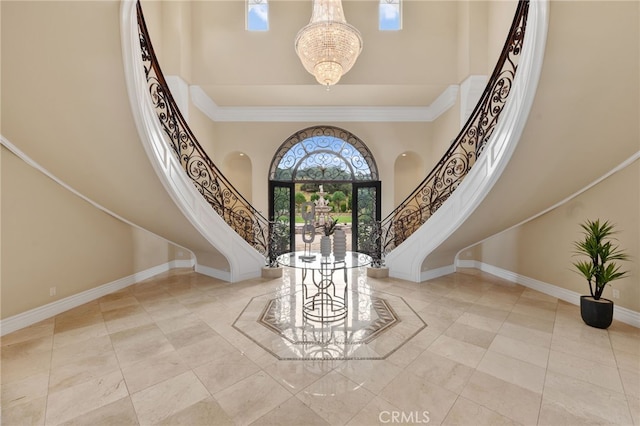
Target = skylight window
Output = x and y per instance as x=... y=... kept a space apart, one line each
x=389 y=15
x=257 y=15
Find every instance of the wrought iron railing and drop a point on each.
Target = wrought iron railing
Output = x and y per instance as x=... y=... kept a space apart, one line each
x=236 y=211
x=465 y=149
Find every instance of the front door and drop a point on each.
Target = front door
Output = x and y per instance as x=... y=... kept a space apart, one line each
x=366 y=205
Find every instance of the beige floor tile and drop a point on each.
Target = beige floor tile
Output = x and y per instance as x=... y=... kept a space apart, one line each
x=19 y=368
x=205 y=412
x=412 y=394
x=456 y=350
x=41 y=329
x=574 y=398
x=514 y=371
x=524 y=334
x=627 y=361
x=224 y=372
x=335 y=398
x=137 y=344
x=80 y=399
x=120 y=413
x=156 y=403
x=252 y=398
x=25 y=390
x=465 y=412
x=381 y=412
x=76 y=352
x=291 y=412
x=125 y=301
x=207 y=350
x=297 y=375
x=480 y=321
x=583 y=369
x=31 y=413
x=480 y=360
x=76 y=335
x=602 y=353
x=514 y=402
x=82 y=369
x=373 y=375
x=153 y=370
x=544 y=324
x=469 y=334
x=515 y=348
x=630 y=382
x=441 y=371
x=629 y=342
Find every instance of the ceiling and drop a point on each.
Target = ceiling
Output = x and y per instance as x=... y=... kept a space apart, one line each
x=238 y=68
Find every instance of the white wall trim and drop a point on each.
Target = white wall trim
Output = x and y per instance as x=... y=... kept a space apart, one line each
x=405 y=261
x=436 y=273
x=25 y=319
x=212 y=272
x=620 y=313
x=217 y=113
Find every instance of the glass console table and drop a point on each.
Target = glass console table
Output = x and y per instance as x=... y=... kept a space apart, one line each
x=326 y=304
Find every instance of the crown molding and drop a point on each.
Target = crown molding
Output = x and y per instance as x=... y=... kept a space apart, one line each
x=387 y=114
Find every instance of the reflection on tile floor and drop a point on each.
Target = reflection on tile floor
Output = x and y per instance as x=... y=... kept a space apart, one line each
x=165 y=351
x=276 y=322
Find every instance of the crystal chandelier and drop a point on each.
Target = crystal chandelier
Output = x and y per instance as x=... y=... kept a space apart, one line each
x=328 y=46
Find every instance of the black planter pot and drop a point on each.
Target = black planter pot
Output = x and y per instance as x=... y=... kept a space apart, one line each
x=596 y=313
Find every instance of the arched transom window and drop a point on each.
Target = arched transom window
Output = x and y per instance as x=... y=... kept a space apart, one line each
x=323 y=153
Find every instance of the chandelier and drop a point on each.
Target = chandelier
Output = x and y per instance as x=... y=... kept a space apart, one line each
x=328 y=46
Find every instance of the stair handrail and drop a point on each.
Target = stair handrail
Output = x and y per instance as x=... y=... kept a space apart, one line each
x=464 y=150
x=210 y=182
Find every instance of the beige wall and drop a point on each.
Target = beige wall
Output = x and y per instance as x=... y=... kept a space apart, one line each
x=53 y=238
x=542 y=248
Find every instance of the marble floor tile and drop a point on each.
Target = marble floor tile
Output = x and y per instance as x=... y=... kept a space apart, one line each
x=153 y=370
x=205 y=412
x=291 y=412
x=30 y=413
x=80 y=399
x=378 y=411
x=412 y=394
x=514 y=371
x=335 y=398
x=514 y=402
x=373 y=375
x=516 y=348
x=120 y=413
x=441 y=371
x=570 y=400
x=220 y=374
x=469 y=334
x=252 y=398
x=25 y=390
x=156 y=403
x=456 y=350
x=587 y=370
x=465 y=412
x=166 y=351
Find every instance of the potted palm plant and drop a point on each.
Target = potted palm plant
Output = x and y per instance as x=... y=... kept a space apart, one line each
x=599 y=269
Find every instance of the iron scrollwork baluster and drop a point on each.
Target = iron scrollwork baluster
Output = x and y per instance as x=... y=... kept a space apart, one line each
x=465 y=149
x=236 y=211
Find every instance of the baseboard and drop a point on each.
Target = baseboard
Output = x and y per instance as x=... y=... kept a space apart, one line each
x=438 y=272
x=621 y=314
x=25 y=319
x=214 y=273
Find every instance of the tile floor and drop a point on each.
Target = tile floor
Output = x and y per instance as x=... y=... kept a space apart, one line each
x=164 y=351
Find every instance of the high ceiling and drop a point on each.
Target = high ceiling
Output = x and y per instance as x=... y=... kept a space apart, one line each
x=411 y=67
